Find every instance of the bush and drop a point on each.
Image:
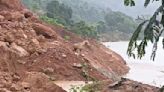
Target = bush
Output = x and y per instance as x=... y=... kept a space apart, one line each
x=66 y=37
x=50 y=20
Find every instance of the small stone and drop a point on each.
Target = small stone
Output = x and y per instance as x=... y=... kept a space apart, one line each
x=83 y=55
x=25 y=85
x=21 y=62
x=77 y=54
x=2 y=18
x=64 y=55
x=35 y=41
x=77 y=65
x=4 y=90
x=52 y=78
x=25 y=36
x=16 y=77
x=15 y=87
x=48 y=70
x=34 y=61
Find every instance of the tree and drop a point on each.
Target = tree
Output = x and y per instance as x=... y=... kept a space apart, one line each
x=84 y=30
x=59 y=11
x=152 y=29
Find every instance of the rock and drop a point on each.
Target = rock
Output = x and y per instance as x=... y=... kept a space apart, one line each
x=126 y=85
x=2 y=18
x=27 y=13
x=77 y=54
x=25 y=85
x=4 y=44
x=18 y=50
x=41 y=29
x=4 y=90
x=64 y=55
x=48 y=71
x=35 y=41
x=77 y=65
x=13 y=5
x=21 y=62
x=39 y=82
x=15 y=87
x=14 y=16
x=16 y=77
x=83 y=55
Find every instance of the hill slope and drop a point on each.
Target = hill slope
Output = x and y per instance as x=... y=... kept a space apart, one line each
x=34 y=54
x=101 y=19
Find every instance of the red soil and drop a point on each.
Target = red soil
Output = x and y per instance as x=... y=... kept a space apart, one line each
x=34 y=54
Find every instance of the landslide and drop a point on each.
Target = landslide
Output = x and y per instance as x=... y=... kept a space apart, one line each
x=34 y=54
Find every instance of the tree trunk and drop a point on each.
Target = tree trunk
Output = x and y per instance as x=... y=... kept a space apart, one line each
x=162 y=20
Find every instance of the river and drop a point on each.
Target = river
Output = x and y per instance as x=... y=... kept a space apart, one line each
x=144 y=70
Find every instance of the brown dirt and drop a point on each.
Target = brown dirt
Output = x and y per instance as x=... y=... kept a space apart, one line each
x=33 y=54
x=127 y=85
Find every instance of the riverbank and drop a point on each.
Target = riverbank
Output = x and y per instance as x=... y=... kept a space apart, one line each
x=144 y=70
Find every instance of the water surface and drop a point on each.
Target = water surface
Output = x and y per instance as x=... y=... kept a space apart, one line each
x=144 y=70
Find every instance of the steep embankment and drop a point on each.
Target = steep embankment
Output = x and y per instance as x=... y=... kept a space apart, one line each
x=33 y=54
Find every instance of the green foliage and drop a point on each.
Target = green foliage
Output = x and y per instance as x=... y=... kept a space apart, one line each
x=85 y=11
x=92 y=20
x=152 y=32
x=36 y=6
x=85 y=30
x=146 y=3
x=93 y=87
x=66 y=37
x=120 y=22
x=129 y=2
x=50 y=20
x=132 y=2
x=75 y=89
x=59 y=11
x=133 y=41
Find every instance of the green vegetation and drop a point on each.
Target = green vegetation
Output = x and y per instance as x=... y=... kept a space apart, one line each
x=85 y=30
x=152 y=29
x=59 y=11
x=84 y=18
x=93 y=87
x=66 y=37
x=101 y=18
x=50 y=20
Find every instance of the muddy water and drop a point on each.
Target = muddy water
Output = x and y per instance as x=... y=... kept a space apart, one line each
x=144 y=70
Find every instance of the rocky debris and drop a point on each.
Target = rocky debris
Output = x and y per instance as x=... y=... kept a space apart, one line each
x=29 y=47
x=48 y=70
x=64 y=55
x=77 y=65
x=2 y=18
x=39 y=82
x=103 y=60
x=18 y=50
x=32 y=82
x=78 y=47
x=126 y=85
x=8 y=4
x=41 y=29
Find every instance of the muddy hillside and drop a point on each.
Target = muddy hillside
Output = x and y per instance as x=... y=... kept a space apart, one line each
x=35 y=54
